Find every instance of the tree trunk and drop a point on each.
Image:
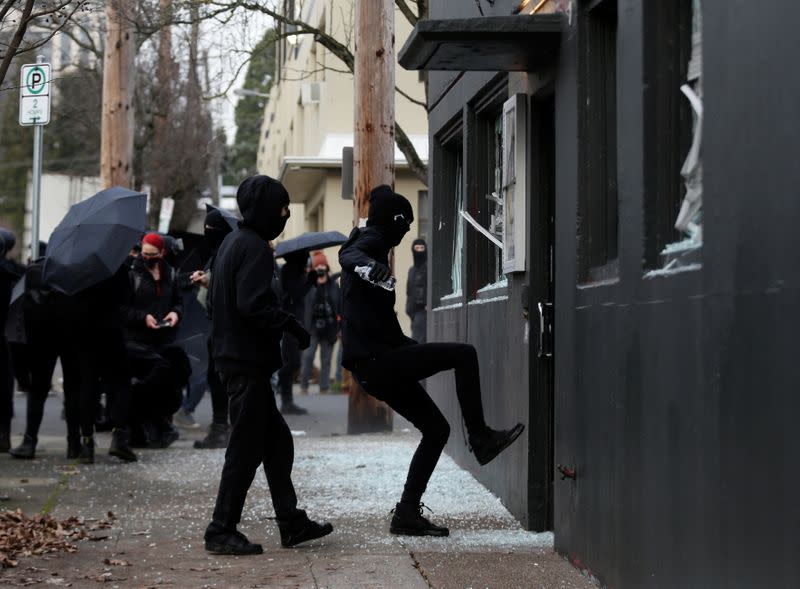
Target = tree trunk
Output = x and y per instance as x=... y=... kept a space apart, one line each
x=373 y=153
x=165 y=72
x=116 y=151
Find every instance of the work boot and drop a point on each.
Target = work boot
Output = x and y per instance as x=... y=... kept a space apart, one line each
x=26 y=450
x=301 y=530
x=73 y=451
x=120 y=446
x=217 y=437
x=409 y=521
x=87 y=451
x=221 y=541
x=137 y=436
x=487 y=444
x=290 y=408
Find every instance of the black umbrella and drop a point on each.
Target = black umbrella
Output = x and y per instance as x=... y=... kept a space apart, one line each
x=313 y=240
x=229 y=217
x=93 y=239
x=15 y=322
x=193 y=331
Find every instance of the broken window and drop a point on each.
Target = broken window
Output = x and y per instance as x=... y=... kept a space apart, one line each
x=447 y=228
x=673 y=136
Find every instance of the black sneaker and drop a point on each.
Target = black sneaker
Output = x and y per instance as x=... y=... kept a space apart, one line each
x=87 y=451
x=26 y=450
x=217 y=437
x=233 y=543
x=302 y=530
x=490 y=442
x=409 y=521
x=120 y=446
x=292 y=409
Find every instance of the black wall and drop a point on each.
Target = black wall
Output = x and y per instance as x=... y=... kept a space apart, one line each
x=676 y=396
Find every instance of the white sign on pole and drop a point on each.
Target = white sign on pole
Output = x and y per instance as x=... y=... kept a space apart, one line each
x=165 y=216
x=34 y=98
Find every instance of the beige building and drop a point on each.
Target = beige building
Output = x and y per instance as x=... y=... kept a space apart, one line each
x=309 y=119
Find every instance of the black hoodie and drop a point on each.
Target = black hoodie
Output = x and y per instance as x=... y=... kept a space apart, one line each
x=247 y=318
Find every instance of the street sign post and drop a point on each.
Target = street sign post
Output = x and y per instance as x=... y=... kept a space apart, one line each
x=34 y=110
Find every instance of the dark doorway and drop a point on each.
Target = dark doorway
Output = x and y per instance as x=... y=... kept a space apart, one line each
x=542 y=290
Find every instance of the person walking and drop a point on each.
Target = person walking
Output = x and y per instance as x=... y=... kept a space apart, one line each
x=389 y=365
x=323 y=306
x=296 y=282
x=417 y=292
x=216 y=229
x=247 y=324
x=10 y=273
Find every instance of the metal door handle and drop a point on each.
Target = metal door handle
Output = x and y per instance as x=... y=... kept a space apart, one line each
x=541 y=330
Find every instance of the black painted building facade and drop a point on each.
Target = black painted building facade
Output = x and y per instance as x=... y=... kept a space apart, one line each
x=657 y=366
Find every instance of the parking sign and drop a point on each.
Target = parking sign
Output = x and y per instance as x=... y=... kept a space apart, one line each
x=34 y=99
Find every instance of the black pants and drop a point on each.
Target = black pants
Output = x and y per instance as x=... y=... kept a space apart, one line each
x=6 y=385
x=105 y=358
x=292 y=360
x=259 y=436
x=394 y=378
x=161 y=376
x=219 y=397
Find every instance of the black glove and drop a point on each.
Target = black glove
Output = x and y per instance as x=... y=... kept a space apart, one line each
x=299 y=332
x=378 y=272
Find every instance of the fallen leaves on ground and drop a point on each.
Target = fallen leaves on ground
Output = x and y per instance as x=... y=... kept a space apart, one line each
x=23 y=535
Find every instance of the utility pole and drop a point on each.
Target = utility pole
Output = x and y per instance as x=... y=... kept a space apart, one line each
x=116 y=149
x=373 y=154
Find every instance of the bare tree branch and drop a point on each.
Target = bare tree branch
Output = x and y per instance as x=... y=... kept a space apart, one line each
x=16 y=40
x=407 y=12
x=410 y=98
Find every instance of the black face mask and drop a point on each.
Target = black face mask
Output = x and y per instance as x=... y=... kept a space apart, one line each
x=276 y=225
x=321 y=272
x=214 y=237
x=151 y=262
x=395 y=233
x=420 y=257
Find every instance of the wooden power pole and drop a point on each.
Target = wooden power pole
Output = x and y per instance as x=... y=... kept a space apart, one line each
x=373 y=154
x=116 y=150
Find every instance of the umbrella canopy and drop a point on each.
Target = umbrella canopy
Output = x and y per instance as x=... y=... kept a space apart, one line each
x=229 y=217
x=15 y=322
x=313 y=240
x=93 y=239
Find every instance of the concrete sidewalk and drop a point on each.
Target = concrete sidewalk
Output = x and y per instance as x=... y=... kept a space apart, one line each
x=163 y=503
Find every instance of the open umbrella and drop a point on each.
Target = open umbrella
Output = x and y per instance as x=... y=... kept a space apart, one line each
x=313 y=240
x=93 y=239
x=229 y=217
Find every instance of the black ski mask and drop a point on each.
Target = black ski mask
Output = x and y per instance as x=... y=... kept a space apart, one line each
x=261 y=200
x=216 y=228
x=391 y=213
x=419 y=257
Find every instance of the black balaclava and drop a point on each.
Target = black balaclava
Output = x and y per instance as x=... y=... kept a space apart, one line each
x=261 y=200
x=384 y=205
x=297 y=259
x=215 y=229
x=7 y=241
x=419 y=257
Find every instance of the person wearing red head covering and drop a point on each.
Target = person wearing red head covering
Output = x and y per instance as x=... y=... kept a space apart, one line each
x=151 y=315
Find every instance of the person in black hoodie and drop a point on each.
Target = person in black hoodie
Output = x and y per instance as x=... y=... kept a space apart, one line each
x=417 y=291
x=389 y=365
x=247 y=324
x=10 y=273
x=296 y=282
x=216 y=229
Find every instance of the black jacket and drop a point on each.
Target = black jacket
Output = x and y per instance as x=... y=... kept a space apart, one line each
x=417 y=289
x=331 y=293
x=145 y=297
x=370 y=325
x=247 y=320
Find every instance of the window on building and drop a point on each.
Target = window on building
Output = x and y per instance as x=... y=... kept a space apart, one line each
x=598 y=198
x=447 y=227
x=423 y=212
x=485 y=189
x=673 y=130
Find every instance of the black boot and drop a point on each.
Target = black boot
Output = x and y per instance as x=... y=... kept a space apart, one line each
x=26 y=450
x=217 y=437
x=73 y=450
x=87 y=451
x=120 y=446
x=167 y=433
x=5 y=437
x=219 y=540
x=487 y=444
x=289 y=408
x=409 y=521
x=302 y=530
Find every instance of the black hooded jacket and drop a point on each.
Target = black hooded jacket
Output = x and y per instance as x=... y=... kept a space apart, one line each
x=417 y=285
x=146 y=297
x=247 y=318
x=370 y=325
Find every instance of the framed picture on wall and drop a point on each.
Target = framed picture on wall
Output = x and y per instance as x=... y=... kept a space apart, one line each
x=515 y=125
